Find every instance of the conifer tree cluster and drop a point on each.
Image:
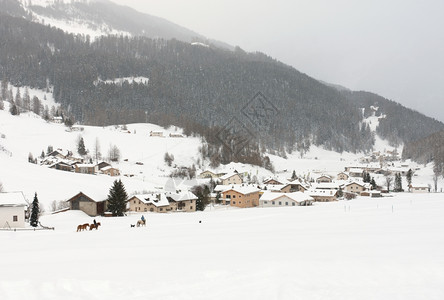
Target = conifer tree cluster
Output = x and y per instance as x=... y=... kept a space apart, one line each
x=117 y=198
x=398 y=183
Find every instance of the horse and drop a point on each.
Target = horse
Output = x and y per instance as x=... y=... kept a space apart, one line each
x=92 y=226
x=82 y=227
x=141 y=223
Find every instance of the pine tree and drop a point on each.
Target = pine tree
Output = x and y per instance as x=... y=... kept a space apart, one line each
x=409 y=177
x=373 y=183
x=81 y=147
x=293 y=175
x=202 y=192
x=35 y=211
x=117 y=198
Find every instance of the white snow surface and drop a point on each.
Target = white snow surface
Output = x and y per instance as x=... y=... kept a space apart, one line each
x=391 y=248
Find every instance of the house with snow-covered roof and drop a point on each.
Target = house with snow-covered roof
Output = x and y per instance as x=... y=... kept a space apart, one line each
x=86 y=168
x=273 y=181
x=231 y=178
x=270 y=199
x=343 y=176
x=324 y=178
x=242 y=196
x=419 y=188
x=356 y=187
x=12 y=210
x=323 y=195
x=109 y=170
x=210 y=174
x=163 y=202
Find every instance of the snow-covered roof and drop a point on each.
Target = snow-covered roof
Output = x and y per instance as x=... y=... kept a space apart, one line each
x=244 y=189
x=274 y=187
x=296 y=196
x=420 y=185
x=229 y=175
x=182 y=196
x=157 y=199
x=12 y=199
x=356 y=170
x=327 y=185
x=86 y=165
x=317 y=192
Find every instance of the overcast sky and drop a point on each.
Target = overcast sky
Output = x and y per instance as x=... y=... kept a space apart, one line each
x=394 y=48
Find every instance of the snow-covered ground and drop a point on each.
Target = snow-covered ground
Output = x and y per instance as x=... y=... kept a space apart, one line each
x=390 y=248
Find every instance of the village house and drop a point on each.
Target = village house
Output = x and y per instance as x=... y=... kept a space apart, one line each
x=88 y=205
x=110 y=171
x=12 y=210
x=324 y=178
x=176 y=135
x=209 y=174
x=323 y=195
x=86 y=168
x=343 y=176
x=231 y=178
x=243 y=196
x=356 y=187
x=156 y=133
x=273 y=181
x=63 y=166
x=163 y=202
x=270 y=199
x=102 y=165
x=280 y=188
x=57 y=120
x=356 y=172
x=298 y=186
x=419 y=188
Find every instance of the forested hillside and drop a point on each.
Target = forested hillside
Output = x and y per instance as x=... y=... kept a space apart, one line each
x=428 y=149
x=189 y=85
x=401 y=124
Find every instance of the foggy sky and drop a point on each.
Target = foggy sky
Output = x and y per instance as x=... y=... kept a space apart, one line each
x=393 y=48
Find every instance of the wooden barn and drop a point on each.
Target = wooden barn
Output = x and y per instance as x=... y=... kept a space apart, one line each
x=89 y=206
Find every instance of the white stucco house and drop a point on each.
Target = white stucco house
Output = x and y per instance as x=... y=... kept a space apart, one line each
x=12 y=210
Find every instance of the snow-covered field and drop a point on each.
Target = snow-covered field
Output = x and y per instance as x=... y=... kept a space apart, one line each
x=390 y=248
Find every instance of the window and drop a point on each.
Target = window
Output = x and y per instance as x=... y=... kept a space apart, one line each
x=293 y=204
x=15 y=218
x=161 y=209
x=286 y=203
x=145 y=208
x=265 y=202
x=191 y=207
x=234 y=202
x=280 y=203
x=272 y=202
x=234 y=196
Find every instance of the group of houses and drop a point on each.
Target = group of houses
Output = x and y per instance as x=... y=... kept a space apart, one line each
x=66 y=161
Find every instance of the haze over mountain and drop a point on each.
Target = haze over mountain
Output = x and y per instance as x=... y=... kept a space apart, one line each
x=391 y=48
x=203 y=88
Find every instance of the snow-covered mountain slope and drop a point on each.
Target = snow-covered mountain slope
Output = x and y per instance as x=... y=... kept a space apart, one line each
x=102 y=17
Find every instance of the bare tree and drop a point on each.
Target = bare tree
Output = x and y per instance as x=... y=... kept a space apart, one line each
x=436 y=174
x=97 y=154
x=113 y=153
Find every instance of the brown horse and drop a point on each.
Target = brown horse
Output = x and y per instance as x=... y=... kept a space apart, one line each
x=82 y=227
x=92 y=226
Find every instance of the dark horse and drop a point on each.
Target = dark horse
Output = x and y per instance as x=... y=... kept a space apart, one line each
x=96 y=226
